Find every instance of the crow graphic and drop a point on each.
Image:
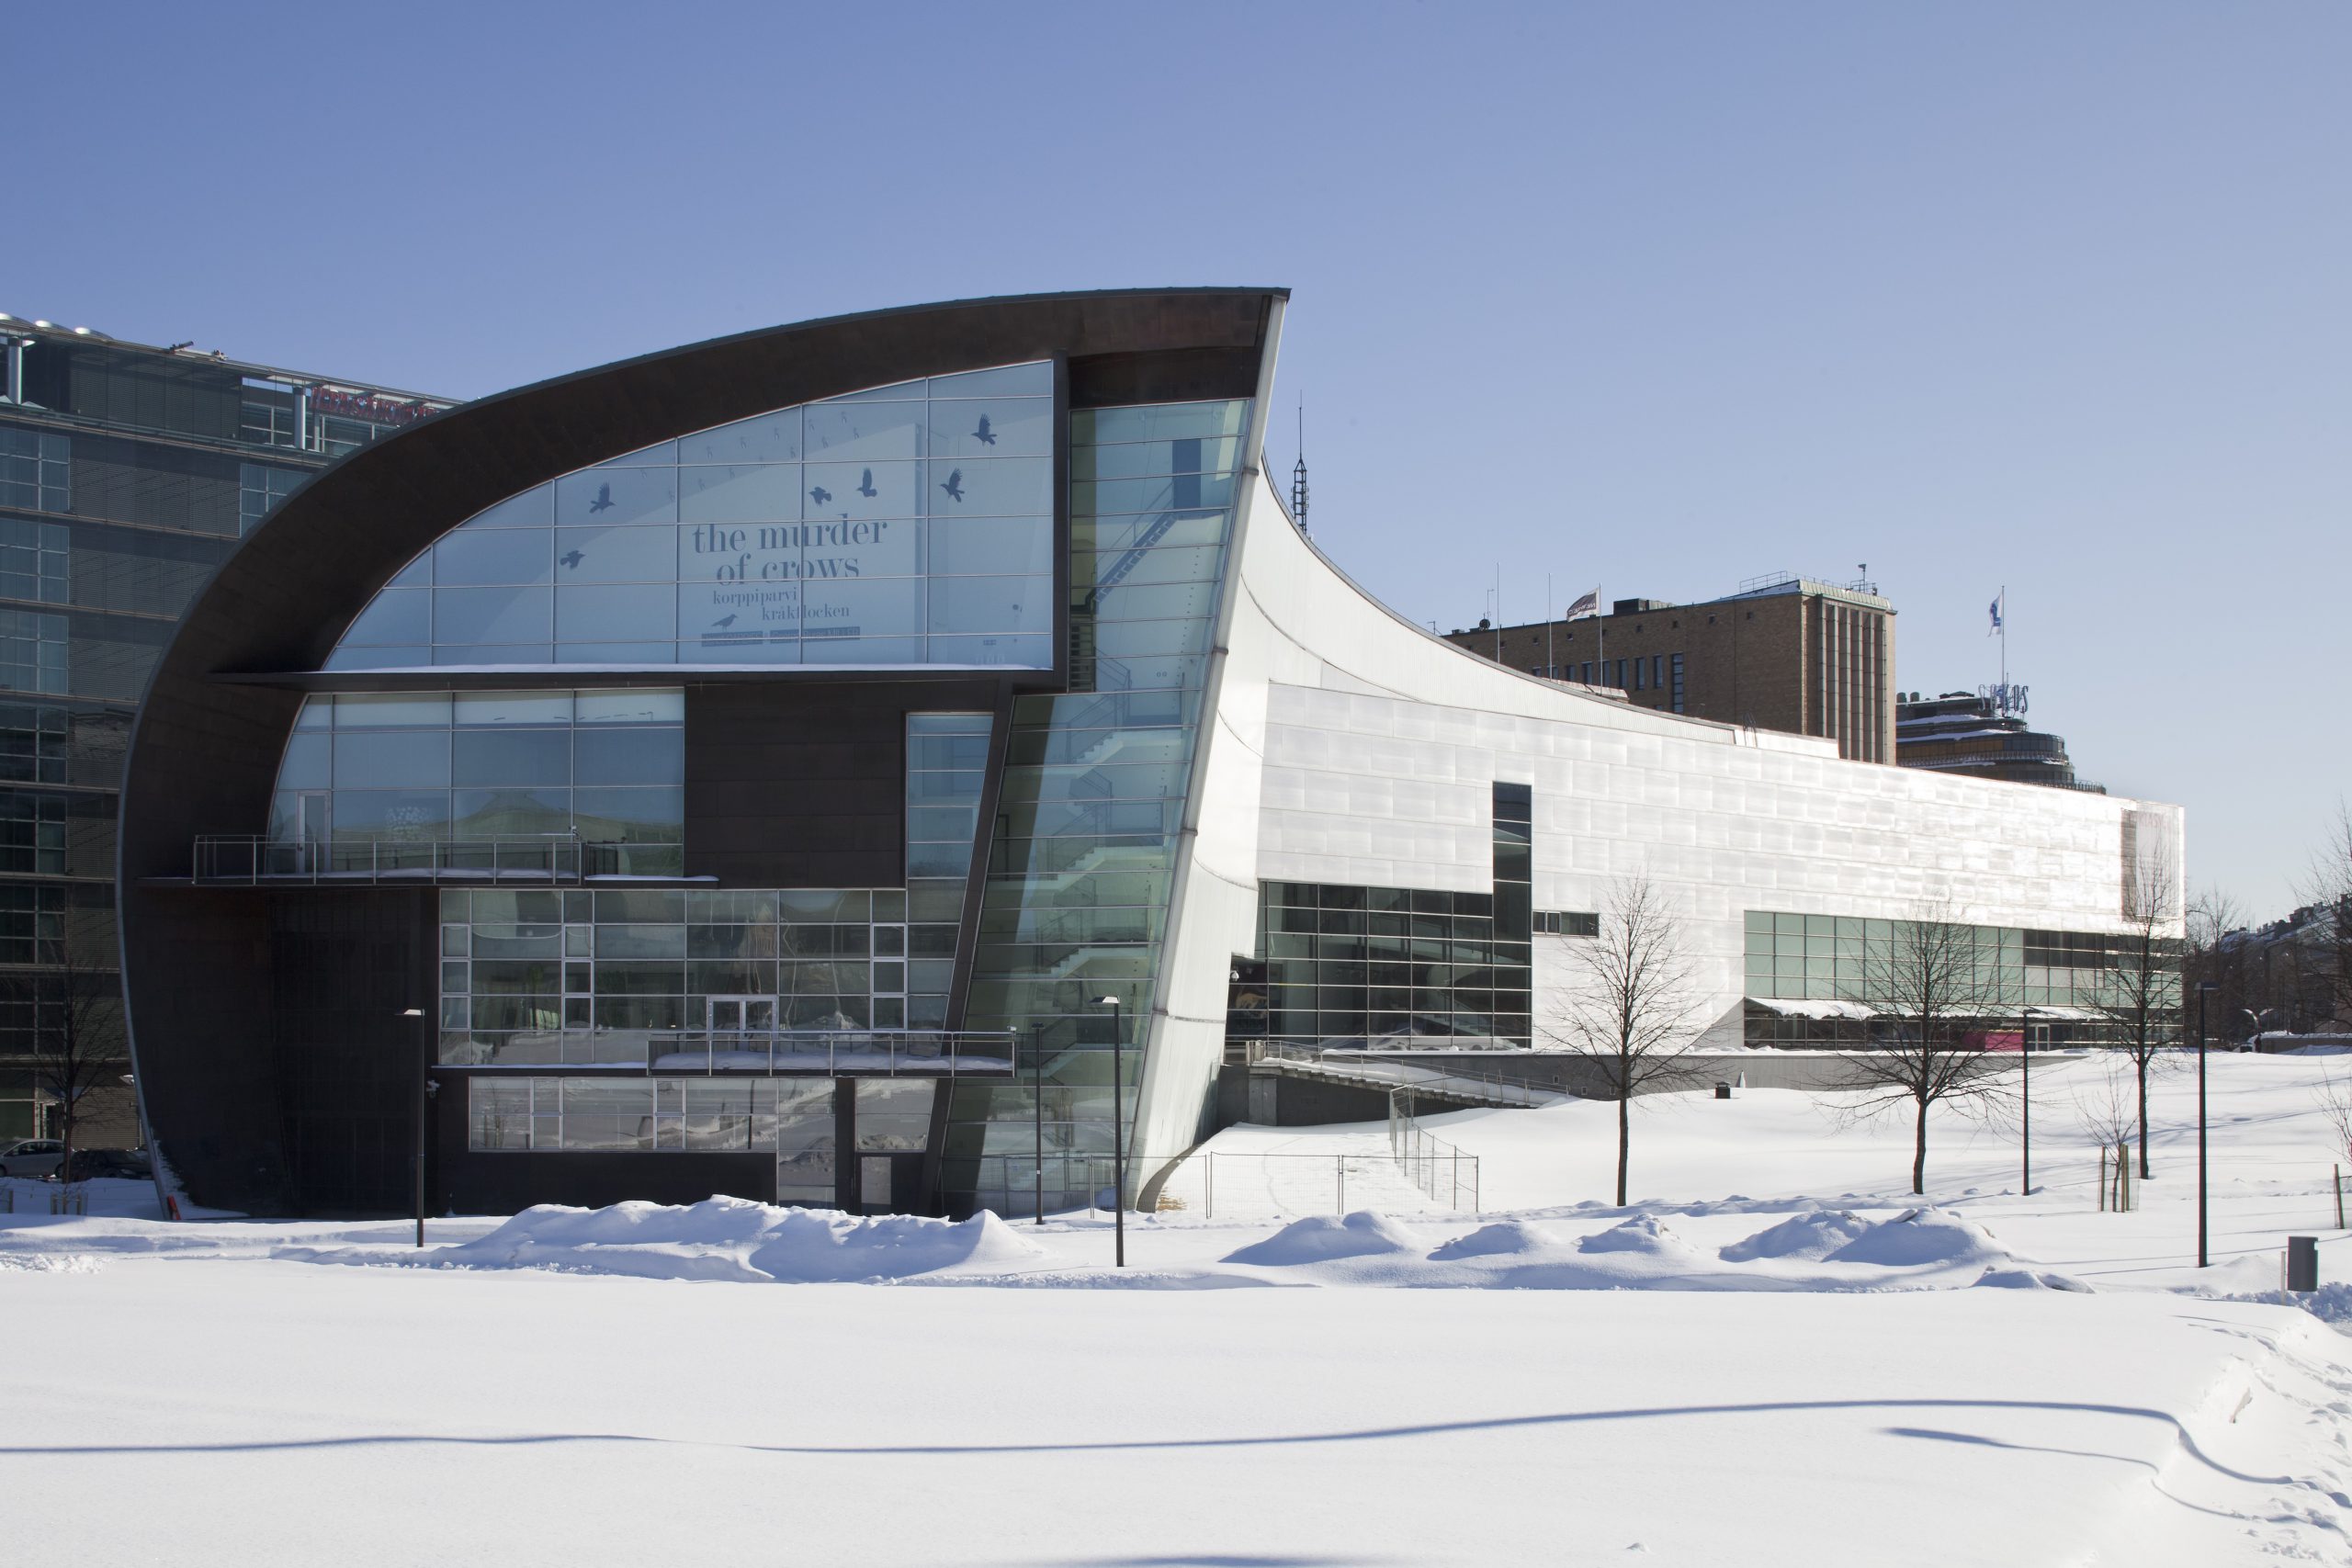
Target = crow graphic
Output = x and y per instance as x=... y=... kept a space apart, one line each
x=603 y=502
x=866 y=486
x=723 y=624
x=819 y=495
x=984 y=435
x=955 y=486
x=571 y=558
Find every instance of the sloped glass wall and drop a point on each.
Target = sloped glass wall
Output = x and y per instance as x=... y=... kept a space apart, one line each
x=1084 y=844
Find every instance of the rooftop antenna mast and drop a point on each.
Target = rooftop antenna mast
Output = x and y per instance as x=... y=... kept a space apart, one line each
x=1298 y=474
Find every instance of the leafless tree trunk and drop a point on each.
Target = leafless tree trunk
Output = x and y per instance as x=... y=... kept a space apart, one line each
x=77 y=1035
x=2335 y=1105
x=2141 y=995
x=1631 y=1004
x=1937 y=988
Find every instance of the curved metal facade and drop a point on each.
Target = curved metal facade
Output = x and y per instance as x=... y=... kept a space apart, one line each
x=274 y=1067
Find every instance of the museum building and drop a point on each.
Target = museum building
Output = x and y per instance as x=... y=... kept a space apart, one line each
x=801 y=765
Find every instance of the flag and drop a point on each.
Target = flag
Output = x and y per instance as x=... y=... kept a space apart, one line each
x=1995 y=609
x=1588 y=606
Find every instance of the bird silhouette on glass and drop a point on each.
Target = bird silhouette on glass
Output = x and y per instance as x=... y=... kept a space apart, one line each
x=571 y=558
x=819 y=495
x=984 y=435
x=955 y=486
x=603 y=502
x=723 y=624
x=866 y=486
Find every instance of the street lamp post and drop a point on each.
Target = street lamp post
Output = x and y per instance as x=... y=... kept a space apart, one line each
x=424 y=1081
x=1037 y=1051
x=1118 y=1143
x=2204 y=989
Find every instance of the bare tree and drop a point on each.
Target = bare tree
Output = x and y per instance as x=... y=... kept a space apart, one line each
x=1630 y=1011
x=78 y=1043
x=2335 y=1107
x=2213 y=918
x=1937 y=989
x=2107 y=1108
x=2142 y=990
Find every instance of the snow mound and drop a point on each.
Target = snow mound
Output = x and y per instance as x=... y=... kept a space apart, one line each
x=1504 y=1238
x=1924 y=1237
x=1367 y=1233
x=733 y=1238
x=2030 y=1280
x=1641 y=1235
x=1809 y=1236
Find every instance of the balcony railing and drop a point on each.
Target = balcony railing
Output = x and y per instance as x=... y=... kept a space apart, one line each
x=557 y=858
x=835 y=1053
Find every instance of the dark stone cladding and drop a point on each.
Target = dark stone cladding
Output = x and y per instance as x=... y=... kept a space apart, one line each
x=803 y=783
x=222 y=698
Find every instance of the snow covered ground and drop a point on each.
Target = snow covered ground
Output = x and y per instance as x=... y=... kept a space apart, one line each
x=1777 y=1356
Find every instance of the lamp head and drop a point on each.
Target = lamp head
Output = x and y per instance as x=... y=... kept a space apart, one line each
x=2206 y=987
x=411 y=1012
x=1106 y=1001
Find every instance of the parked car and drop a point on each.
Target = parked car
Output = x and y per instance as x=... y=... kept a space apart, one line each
x=131 y=1164
x=31 y=1157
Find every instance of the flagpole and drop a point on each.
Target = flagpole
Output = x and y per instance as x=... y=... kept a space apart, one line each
x=2004 y=642
x=1600 y=632
x=1551 y=670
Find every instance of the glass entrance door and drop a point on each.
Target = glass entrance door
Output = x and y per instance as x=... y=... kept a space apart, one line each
x=739 y=1015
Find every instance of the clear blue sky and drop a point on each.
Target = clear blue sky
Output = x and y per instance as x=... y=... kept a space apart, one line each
x=1658 y=296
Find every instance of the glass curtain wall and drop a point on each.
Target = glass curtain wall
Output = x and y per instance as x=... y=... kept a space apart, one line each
x=1084 y=844
x=421 y=768
x=909 y=524
x=947 y=759
x=585 y=978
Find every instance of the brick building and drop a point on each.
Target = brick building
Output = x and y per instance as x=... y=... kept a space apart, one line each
x=1791 y=654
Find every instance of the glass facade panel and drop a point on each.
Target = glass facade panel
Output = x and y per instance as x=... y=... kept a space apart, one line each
x=1075 y=899
x=801 y=536
x=423 y=768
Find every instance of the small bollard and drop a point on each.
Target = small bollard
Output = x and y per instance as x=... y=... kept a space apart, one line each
x=1723 y=1091
x=2302 y=1263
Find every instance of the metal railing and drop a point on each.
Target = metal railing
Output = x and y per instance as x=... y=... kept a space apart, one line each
x=553 y=858
x=1382 y=1069
x=1271 y=1183
x=836 y=1053
x=1436 y=1166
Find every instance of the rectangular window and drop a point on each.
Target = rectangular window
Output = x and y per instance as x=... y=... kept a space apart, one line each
x=32 y=652
x=33 y=561
x=35 y=470
x=260 y=489
x=1678 y=682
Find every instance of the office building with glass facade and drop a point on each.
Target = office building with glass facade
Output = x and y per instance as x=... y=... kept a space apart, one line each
x=128 y=473
x=761 y=767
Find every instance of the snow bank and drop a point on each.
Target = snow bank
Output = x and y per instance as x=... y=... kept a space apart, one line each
x=1504 y=1238
x=1643 y=1236
x=1319 y=1238
x=2030 y=1279
x=1923 y=1238
x=733 y=1238
x=1814 y=1235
